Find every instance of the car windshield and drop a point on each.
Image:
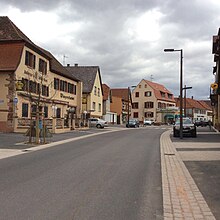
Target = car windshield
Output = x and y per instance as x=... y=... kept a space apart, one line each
x=132 y=120
x=185 y=121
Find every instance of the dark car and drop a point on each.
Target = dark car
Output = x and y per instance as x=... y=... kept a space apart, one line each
x=132 y=123
x=202 y=123
x=189 y=128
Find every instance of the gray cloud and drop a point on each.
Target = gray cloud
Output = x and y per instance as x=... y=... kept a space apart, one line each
x=103 y=39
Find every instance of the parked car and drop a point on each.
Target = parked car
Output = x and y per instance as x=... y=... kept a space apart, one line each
x=132 y=123
x=202 y=123
x=189 y=128
x=148 y=121
x=97 y=122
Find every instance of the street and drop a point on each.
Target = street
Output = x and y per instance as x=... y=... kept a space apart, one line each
x=109 y=176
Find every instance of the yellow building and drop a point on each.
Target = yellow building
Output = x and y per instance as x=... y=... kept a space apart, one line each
x=92 y=101
x=32 y=80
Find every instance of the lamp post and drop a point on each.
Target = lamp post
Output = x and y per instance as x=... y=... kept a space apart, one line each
x=181 y=87
x=185 y=88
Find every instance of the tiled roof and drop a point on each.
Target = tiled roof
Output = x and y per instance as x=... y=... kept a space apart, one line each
x=193 y=103
x=10 y=55
x=120 y=92
x=158 y=89
x=57 y=67
x=12 y=41
x=106 y=91
x=207 y=104
x=86 y=74
x=10 y=32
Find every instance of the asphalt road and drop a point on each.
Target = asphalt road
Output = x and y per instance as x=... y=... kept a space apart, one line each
x=112 y=176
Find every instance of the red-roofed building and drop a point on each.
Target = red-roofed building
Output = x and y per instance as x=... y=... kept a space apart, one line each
x=197 y=110
x=153 y=101
x=110 y=117
x=121 y=103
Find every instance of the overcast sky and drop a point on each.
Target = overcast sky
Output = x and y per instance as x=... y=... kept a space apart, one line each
x=126 y=38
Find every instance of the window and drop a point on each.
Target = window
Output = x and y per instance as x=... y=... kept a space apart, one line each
x=61 y=85
x=30 y=59
x=162 y=94
x=93 y=106
x=148 y=105
x=32 y=87
x=139 y=86
x=58 y=112
x=136 y=94
x=148 y=114
x=56 y=83
x=170 y=96
x=45 y=90
x=135 y=105
x=95 y=90
x=98 y=92
x=42 y=66
x=145 y=86
x=65 y=86
x=100 y=107
x=46 y=111
x=148 y=94
x=135 y=115
x=25 y=84
x=24 y=110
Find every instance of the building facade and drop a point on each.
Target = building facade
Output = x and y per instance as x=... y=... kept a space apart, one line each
x=34 y=84
x=152 y=101
x=92 y=100
x=121 y=103
x=215 y=86
x=108 y=115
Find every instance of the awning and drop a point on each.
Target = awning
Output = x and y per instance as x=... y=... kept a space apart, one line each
x=169 y=116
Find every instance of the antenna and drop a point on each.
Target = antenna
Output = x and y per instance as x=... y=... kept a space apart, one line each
x=64 y=58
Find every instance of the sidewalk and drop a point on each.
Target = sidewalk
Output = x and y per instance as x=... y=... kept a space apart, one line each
x=182 y=199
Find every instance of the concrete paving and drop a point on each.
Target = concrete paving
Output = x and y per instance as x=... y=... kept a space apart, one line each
x=182 y=199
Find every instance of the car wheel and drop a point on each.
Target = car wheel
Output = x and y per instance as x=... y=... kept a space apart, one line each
x=194 y=134
x=174 y=133
x=98 y=126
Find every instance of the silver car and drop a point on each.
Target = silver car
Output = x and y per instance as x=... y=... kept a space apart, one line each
x=97 y=122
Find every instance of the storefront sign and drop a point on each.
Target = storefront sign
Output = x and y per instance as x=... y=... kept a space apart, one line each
x=66 y=96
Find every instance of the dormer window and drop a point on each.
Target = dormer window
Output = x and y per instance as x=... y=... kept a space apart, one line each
x=162 y=94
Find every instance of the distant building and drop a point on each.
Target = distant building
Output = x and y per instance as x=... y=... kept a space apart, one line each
x=108 y=115
x=92 y=100
x=197 y=110
x=153 y=101
x=121 y=103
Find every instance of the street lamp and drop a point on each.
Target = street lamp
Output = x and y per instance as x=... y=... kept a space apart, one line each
x=181 y=87
x=185 y=88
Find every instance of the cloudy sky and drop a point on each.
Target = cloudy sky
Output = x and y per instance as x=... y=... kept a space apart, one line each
x=126 y=38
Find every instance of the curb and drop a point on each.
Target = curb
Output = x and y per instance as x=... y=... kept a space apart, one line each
x=181 y=196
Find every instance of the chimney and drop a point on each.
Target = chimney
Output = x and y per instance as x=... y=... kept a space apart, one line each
x=76 y=64
x=68 y=65
x=192 y=97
